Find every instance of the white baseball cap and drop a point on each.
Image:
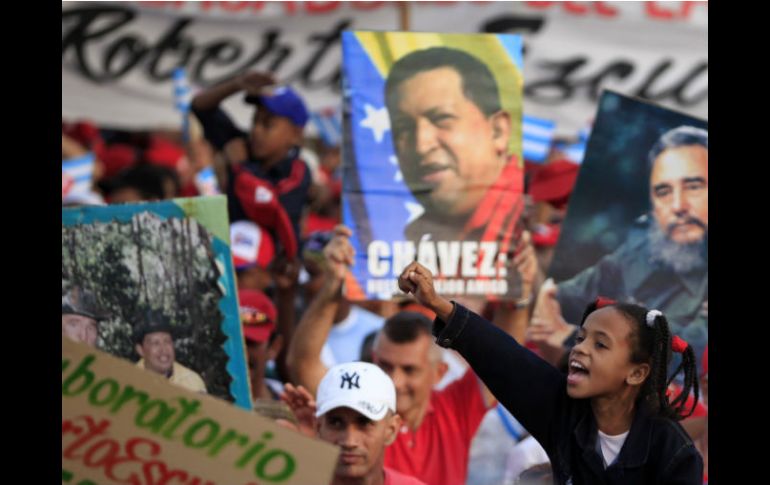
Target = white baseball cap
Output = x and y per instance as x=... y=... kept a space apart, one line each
x=250 y=245
x=360 y=386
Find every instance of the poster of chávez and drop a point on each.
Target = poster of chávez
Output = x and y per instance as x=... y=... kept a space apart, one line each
x=153 y=283
x=432 y=160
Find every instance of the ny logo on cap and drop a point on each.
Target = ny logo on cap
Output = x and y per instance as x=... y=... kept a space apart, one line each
x=351 y=380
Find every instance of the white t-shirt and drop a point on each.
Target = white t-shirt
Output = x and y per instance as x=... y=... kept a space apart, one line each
x=456 y=368
x=610 y=446
x=346 y=337
x=526 y=454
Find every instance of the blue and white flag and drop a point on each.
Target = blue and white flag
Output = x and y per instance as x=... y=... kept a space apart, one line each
x=182 y=99
x=206 y=182
x=537 y=136
x=328 y=122
x=574 y=152
x=77 y=174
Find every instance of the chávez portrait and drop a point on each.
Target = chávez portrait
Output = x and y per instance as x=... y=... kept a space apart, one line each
x=435 y=172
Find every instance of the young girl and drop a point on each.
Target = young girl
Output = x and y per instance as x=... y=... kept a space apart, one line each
x=609 y=420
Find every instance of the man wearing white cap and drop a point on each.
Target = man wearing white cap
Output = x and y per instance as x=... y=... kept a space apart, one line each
x=253 y=250
x=356 y=410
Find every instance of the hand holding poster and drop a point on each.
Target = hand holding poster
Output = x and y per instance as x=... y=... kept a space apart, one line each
x=637 y=225
x=432 y=160
x=154 y=283
x=123 y=425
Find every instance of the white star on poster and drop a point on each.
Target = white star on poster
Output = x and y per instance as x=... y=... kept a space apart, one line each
x=398 y=177
x=376 y=120
x=415 y=210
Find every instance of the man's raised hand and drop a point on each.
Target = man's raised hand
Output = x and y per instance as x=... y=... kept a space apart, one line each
x=253 y=82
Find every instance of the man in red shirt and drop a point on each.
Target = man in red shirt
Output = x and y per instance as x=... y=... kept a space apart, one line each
x=438 y=426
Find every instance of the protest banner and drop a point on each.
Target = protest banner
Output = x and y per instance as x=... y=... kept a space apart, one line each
x=118 y=57
x=123 y=425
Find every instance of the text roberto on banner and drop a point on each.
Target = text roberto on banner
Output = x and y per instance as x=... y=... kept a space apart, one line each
x=118 y=57
x=123 y=425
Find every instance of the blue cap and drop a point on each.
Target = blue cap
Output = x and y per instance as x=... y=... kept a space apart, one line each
x=283 y=102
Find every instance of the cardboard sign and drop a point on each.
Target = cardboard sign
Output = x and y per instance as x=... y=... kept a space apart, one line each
x=637 y=223
x=433 y=169
x=123 y=425
x=131 y=265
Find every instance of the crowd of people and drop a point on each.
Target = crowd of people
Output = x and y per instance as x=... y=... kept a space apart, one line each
x=428 y=390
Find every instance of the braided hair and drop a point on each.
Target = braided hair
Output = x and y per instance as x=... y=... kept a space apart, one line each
x=651 y=343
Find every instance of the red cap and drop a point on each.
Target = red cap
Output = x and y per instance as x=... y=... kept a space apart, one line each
x=164 y=153
x=553 y=183
x=116 y=157
x=317 y=223
x=261 y=205
x=257 y=315
x=84 y=132
x=251 y=245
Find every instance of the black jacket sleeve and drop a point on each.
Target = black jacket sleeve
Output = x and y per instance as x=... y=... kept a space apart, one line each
x=681 y=462
x=530 y=388
x=218 y=128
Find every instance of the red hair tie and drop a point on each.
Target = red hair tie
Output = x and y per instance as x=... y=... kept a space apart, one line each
x=602 y=302
x=678 y=345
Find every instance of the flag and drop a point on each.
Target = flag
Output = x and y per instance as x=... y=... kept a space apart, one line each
x=537 y=136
